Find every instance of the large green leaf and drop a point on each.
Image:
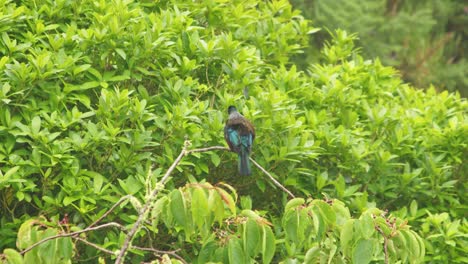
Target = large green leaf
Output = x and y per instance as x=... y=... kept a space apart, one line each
x=251 y=237
x=235 y=252
x=13 y=256
x=268 y=244
x=363 y=251
x=199 y=208
x=178 y=208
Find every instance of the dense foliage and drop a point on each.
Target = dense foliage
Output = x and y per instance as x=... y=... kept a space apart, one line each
x=97 y=98
x=425 y=40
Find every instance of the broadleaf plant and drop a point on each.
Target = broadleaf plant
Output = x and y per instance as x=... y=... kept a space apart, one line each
x=98 y=98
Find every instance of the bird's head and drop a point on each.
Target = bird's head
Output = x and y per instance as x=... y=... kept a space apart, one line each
x=231 y=109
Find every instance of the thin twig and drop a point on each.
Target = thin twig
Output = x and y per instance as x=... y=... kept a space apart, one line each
x=206 y=149
x=147 y=206
x=272 y=179
x=159 y=252
x=385 y=242
x=94 y=245
x=71 y=234
x=143 y=212
x=110 y=210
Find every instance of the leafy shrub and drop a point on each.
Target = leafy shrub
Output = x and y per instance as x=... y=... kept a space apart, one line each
x=96 y=94
x=424 y=40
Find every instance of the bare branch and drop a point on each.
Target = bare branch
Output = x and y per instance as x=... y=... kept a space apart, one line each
x=110 y=210
x=71 y=234
x=148 y=205
x=159 y=252
x=143 y=212
x=94 y=245
x=272 y=179
x=377 y=227
x=207 y=149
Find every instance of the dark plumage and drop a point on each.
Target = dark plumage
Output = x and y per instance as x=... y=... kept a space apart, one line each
x=239 y=134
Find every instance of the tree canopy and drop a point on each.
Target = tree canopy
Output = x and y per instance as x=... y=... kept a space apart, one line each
x=99 y=98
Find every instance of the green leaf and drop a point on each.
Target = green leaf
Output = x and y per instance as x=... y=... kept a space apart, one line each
x=10 y=173
x=158 y=209
x=25 y=236
x=64 y=247
x=246 y=202
x=215 y=159
x=81 y=87
x=98 y=180
x=81 y=68
x=251 y=237
x=13 y=256
x=326 y=211
x=291 y=225
x=363 y=251
x=235 y=252
x=200 y=207
x=207 y=251
x=413 y=245
x=69 y=199
x=178 y=207
x=293 y=203
x=413 y=208
x=48 y=251
x=319 y=222
x=20 y=196
x=121 y=53
x=341 y=212
x=346 y=236
x=312 y=255
x=268 y=244
x=131 y=185
x=366 y=226
x=36 y=125
x=215 y=205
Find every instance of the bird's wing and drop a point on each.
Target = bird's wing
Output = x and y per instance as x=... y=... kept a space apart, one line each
x=226 y=137
x=233 y=138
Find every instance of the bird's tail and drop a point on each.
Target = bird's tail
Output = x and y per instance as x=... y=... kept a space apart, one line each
x=244 y=162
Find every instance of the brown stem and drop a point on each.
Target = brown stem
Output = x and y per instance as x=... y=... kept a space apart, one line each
x=70 y=234
x=385 y=242
x=272 y=179
x=110 y=210
x=148 y=205
x=159 y=252
x=94 y=245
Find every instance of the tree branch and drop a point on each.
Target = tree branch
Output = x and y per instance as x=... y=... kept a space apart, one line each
x=143 y=212
x=377 y=227
x=105 y=250
x=149 y=204
x=207 y=149
x=272 y=179
x=71 y=234
x=110 y=210
x=159 y=252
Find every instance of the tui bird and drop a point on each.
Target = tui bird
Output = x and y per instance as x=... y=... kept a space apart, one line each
x=239 y=134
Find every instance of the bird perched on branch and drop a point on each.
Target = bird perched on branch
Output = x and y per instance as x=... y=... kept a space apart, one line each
x=239 y=134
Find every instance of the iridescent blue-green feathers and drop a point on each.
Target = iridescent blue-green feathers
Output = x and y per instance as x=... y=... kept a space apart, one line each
x=240 y=134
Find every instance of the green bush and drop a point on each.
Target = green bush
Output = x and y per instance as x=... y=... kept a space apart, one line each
x=423 y=39
x=97 y=99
